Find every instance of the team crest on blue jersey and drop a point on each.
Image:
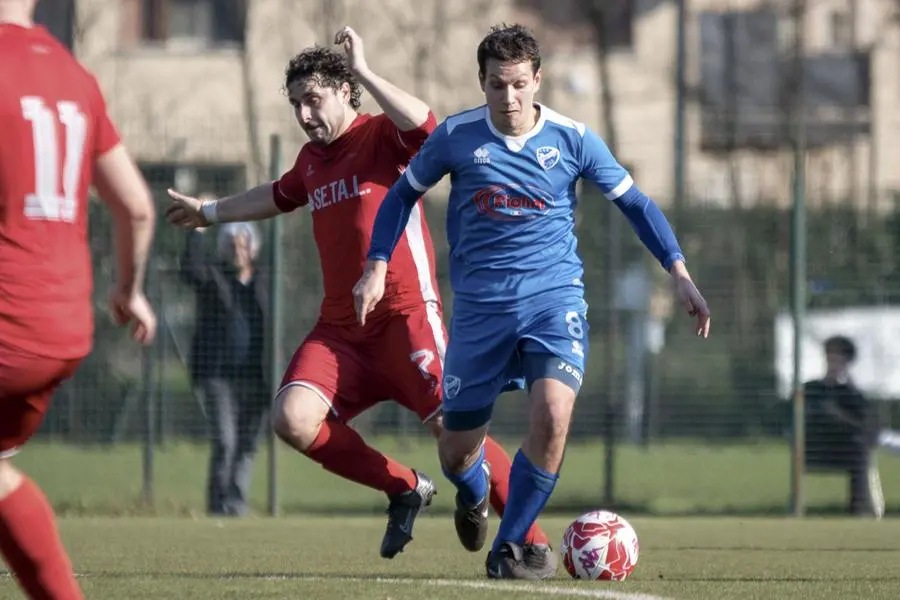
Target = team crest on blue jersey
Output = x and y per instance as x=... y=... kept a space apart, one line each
x=452 y=384
x=547 y=157
x=512 y=202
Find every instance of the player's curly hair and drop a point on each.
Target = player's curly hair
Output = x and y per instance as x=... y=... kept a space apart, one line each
x=327 y=67
x=509 y=43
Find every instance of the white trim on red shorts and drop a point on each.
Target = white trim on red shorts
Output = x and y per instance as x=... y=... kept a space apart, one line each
x=433 y=415
x=313 y=388
x=9 y=453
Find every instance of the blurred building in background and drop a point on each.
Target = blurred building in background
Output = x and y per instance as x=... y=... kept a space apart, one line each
x=196 y=88
x=198 y=81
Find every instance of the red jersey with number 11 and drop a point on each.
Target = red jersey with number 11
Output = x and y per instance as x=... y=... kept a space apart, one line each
x=54 y=125
x=343 y=184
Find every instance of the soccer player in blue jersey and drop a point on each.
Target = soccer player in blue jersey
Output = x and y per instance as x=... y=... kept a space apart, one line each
x=519 y=314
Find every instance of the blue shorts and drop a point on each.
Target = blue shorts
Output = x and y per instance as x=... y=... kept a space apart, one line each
x=490 y=353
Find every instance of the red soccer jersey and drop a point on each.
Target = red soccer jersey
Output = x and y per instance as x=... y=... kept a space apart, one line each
x=54 y=124
x=344 y=184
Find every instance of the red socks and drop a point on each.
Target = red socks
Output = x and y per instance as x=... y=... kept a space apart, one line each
x=340 y=450
x=32 y=548
x=501 y=465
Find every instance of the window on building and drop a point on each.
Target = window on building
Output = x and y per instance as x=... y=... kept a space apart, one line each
x=193 y=23
x=58 y=16
x=619 y=24
x=576 y=18
x=841 y=30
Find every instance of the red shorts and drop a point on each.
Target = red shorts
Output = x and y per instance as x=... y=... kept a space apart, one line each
x=352 y=368
x=27 y=383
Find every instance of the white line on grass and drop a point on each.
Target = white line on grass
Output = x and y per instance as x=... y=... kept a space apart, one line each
x=537 y=589
x=497 y=586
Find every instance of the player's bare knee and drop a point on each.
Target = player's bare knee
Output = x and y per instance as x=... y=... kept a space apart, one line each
x=10 y=478
x=458 y=450
x=558 y=415
x=552 y=406
x=545 y=435
x=298 y=415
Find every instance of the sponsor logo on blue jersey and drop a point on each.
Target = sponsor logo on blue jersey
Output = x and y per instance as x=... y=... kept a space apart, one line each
x=512 y=202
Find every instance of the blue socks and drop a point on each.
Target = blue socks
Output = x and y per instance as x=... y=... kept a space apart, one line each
x=529 y=489
x=471 y=483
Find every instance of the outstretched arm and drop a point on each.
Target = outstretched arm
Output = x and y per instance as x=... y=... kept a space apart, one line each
x=599 y=166
x=405 y=110
x=262 y=202
x=255 y=204
x=651 y=226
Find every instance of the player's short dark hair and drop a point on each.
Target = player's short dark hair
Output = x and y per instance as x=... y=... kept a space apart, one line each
x=509 y=43
x=842 y=345
x=327 y=67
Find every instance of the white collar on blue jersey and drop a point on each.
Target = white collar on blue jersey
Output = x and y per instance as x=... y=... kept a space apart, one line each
x=516 y=143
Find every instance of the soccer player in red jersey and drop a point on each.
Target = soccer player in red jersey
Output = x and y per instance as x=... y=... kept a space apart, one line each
x=56 y=140
x=342 y=368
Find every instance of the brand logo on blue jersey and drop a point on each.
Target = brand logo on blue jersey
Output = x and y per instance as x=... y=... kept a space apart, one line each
x=512 y=202
x=547 y=157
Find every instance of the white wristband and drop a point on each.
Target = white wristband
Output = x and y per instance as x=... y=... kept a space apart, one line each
x=209 y=208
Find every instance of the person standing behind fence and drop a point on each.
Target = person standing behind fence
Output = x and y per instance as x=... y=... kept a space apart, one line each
x=227 y=357
x=841 y=428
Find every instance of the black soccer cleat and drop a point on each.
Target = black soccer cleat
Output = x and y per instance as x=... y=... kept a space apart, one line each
x=402 y=513
x=472 y=521
x=508 y=562
x=540 y=559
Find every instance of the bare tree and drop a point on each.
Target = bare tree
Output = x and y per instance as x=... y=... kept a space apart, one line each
x=597 y=14
x=423 y=34
x=248 y=92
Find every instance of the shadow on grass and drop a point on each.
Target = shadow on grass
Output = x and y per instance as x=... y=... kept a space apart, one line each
x=576 y=507
x=562 y=508
x=429 y=578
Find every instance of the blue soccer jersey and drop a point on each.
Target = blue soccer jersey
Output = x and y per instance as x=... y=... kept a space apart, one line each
x=510 y=215
x=514 y=266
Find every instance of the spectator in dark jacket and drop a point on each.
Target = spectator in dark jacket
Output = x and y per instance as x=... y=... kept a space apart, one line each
x=841 y=428
x=227 y=357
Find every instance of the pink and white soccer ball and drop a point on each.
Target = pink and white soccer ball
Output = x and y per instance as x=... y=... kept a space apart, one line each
x=599 y=545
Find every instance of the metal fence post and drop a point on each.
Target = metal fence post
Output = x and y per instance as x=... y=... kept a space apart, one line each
x=148 y=384
x=274 y=344
x=162 y=344
x=798 y=262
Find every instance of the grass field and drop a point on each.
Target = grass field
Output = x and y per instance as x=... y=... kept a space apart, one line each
x=665 y=479
x=326 y=545
x=328 y=558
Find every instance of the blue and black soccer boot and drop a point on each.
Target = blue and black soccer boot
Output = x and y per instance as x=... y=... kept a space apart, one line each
x=472 y=521
x=402 y=513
